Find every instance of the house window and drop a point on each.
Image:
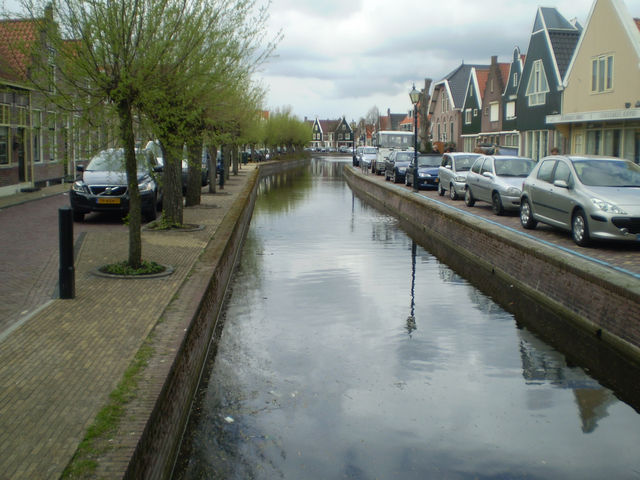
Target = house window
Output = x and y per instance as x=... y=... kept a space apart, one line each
x=491 y=85
x=475 y=112
x=51 y=117
x=602 y=74
x=494 y=115
x=445 y=106
x=5 y=114
x=510 y=113
x=467 y=116
x=37 y=136
x=4 y=145
x=538 y=86
x=515 y=79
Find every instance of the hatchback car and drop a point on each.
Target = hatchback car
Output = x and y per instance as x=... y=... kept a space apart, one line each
x=592 y=197
x=396 y=165
x=428 y=164
x=498 y=181
x=103 y=185
x=453 y=173
x=368 y=156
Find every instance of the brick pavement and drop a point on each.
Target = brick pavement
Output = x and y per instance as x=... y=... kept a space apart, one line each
x=58 y=368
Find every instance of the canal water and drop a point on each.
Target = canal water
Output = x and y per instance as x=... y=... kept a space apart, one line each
x=348 y=351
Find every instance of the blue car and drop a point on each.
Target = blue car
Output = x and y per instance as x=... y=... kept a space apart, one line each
x=428 y=164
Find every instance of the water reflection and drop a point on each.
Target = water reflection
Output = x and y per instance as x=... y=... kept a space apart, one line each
x=321 y=373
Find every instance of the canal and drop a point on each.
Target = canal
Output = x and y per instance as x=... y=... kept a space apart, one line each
x=346 y=350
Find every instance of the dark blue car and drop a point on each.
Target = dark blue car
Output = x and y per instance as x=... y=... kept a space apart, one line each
x=428 y=164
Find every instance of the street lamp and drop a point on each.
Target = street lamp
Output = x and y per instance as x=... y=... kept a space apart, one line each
x=353 y=142
x=414 y=95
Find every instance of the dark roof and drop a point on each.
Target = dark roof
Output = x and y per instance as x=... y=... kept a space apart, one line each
x=458 y=80
x=551 y=19
x=563 y=44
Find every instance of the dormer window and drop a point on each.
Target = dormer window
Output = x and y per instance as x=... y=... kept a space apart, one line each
x=538 y=86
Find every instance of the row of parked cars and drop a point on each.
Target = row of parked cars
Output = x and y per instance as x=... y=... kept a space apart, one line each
x=592 y=197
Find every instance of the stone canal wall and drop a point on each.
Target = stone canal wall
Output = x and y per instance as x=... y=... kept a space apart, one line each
x=596 y=301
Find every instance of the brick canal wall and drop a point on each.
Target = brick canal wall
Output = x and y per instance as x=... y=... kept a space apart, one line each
x=166 y=393
x=596 y=301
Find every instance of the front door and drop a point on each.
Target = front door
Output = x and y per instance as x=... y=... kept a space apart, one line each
x=18 y=153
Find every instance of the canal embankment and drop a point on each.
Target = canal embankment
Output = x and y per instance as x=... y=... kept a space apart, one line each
x=585 y=307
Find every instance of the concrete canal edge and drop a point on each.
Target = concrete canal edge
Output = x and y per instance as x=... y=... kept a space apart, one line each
x=595 y=301
x=149 y=437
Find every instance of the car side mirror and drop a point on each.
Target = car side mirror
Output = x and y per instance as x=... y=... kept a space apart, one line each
x=80 y=168
x=487 y=174
x=561 y=184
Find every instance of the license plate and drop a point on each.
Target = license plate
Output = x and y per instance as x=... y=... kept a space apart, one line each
x=109 y=201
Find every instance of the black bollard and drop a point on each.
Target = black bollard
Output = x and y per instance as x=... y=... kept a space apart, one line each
x=66 y=278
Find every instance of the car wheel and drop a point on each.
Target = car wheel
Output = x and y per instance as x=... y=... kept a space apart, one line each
x=452 y=193
x=468 y=198
x=496 y=204
x=441 y=191
x=78 y=216
x=580 y=229
x=526 y=216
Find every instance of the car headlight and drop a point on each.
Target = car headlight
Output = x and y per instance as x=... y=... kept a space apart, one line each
x=607 y=207
x=402 y=169
x=513 y=192
x=459 y=179
x=145 y=186
x=424 y=175
x=80 y=187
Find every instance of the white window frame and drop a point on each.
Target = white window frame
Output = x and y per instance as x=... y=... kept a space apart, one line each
x=467 y=116
x=494 y=112
x=538 y=86
x=602 y=73
x=510 y=110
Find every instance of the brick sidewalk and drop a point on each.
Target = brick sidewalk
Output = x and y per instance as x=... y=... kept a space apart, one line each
x=58 y=368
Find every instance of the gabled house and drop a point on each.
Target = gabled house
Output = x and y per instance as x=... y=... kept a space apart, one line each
x=472 y=108
x=445 y=106
x=33 y=135
x=551 y=46
x=492 y=132
x=601 y=103
x=510 y=94
x=331 y=134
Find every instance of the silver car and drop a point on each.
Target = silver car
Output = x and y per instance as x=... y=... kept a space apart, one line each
x=453 y=173
x=592 y=197
x=497 y=179
x=369 y=155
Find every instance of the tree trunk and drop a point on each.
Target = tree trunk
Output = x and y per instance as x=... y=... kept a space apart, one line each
x=172 y=182
x=234 y=151
x=131 y=168
x=194 y=181
x=213 y=167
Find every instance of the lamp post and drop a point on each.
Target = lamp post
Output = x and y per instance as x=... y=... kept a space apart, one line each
x=414 y=95
x=353 y=142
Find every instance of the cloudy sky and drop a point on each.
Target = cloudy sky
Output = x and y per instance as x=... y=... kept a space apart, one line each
x=344 y=57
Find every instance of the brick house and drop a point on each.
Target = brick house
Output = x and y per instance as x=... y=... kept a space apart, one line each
x=34 y=136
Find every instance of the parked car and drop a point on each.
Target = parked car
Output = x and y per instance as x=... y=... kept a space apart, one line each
x=452 y=173
x=368 y=156
x=395 y=166
x=497 y=179
x=592 y=197
x=377 y=165
x=428 y=164
x=103 y=185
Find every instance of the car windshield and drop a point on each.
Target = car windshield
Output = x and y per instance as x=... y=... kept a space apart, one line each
x=371 y=150
x=608 y=173
x=464 y=162
x=113 y=161
x=429 y=161
x=513 y=167
x=404 y=156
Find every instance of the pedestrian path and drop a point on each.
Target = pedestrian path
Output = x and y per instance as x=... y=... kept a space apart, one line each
x=58 y=368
